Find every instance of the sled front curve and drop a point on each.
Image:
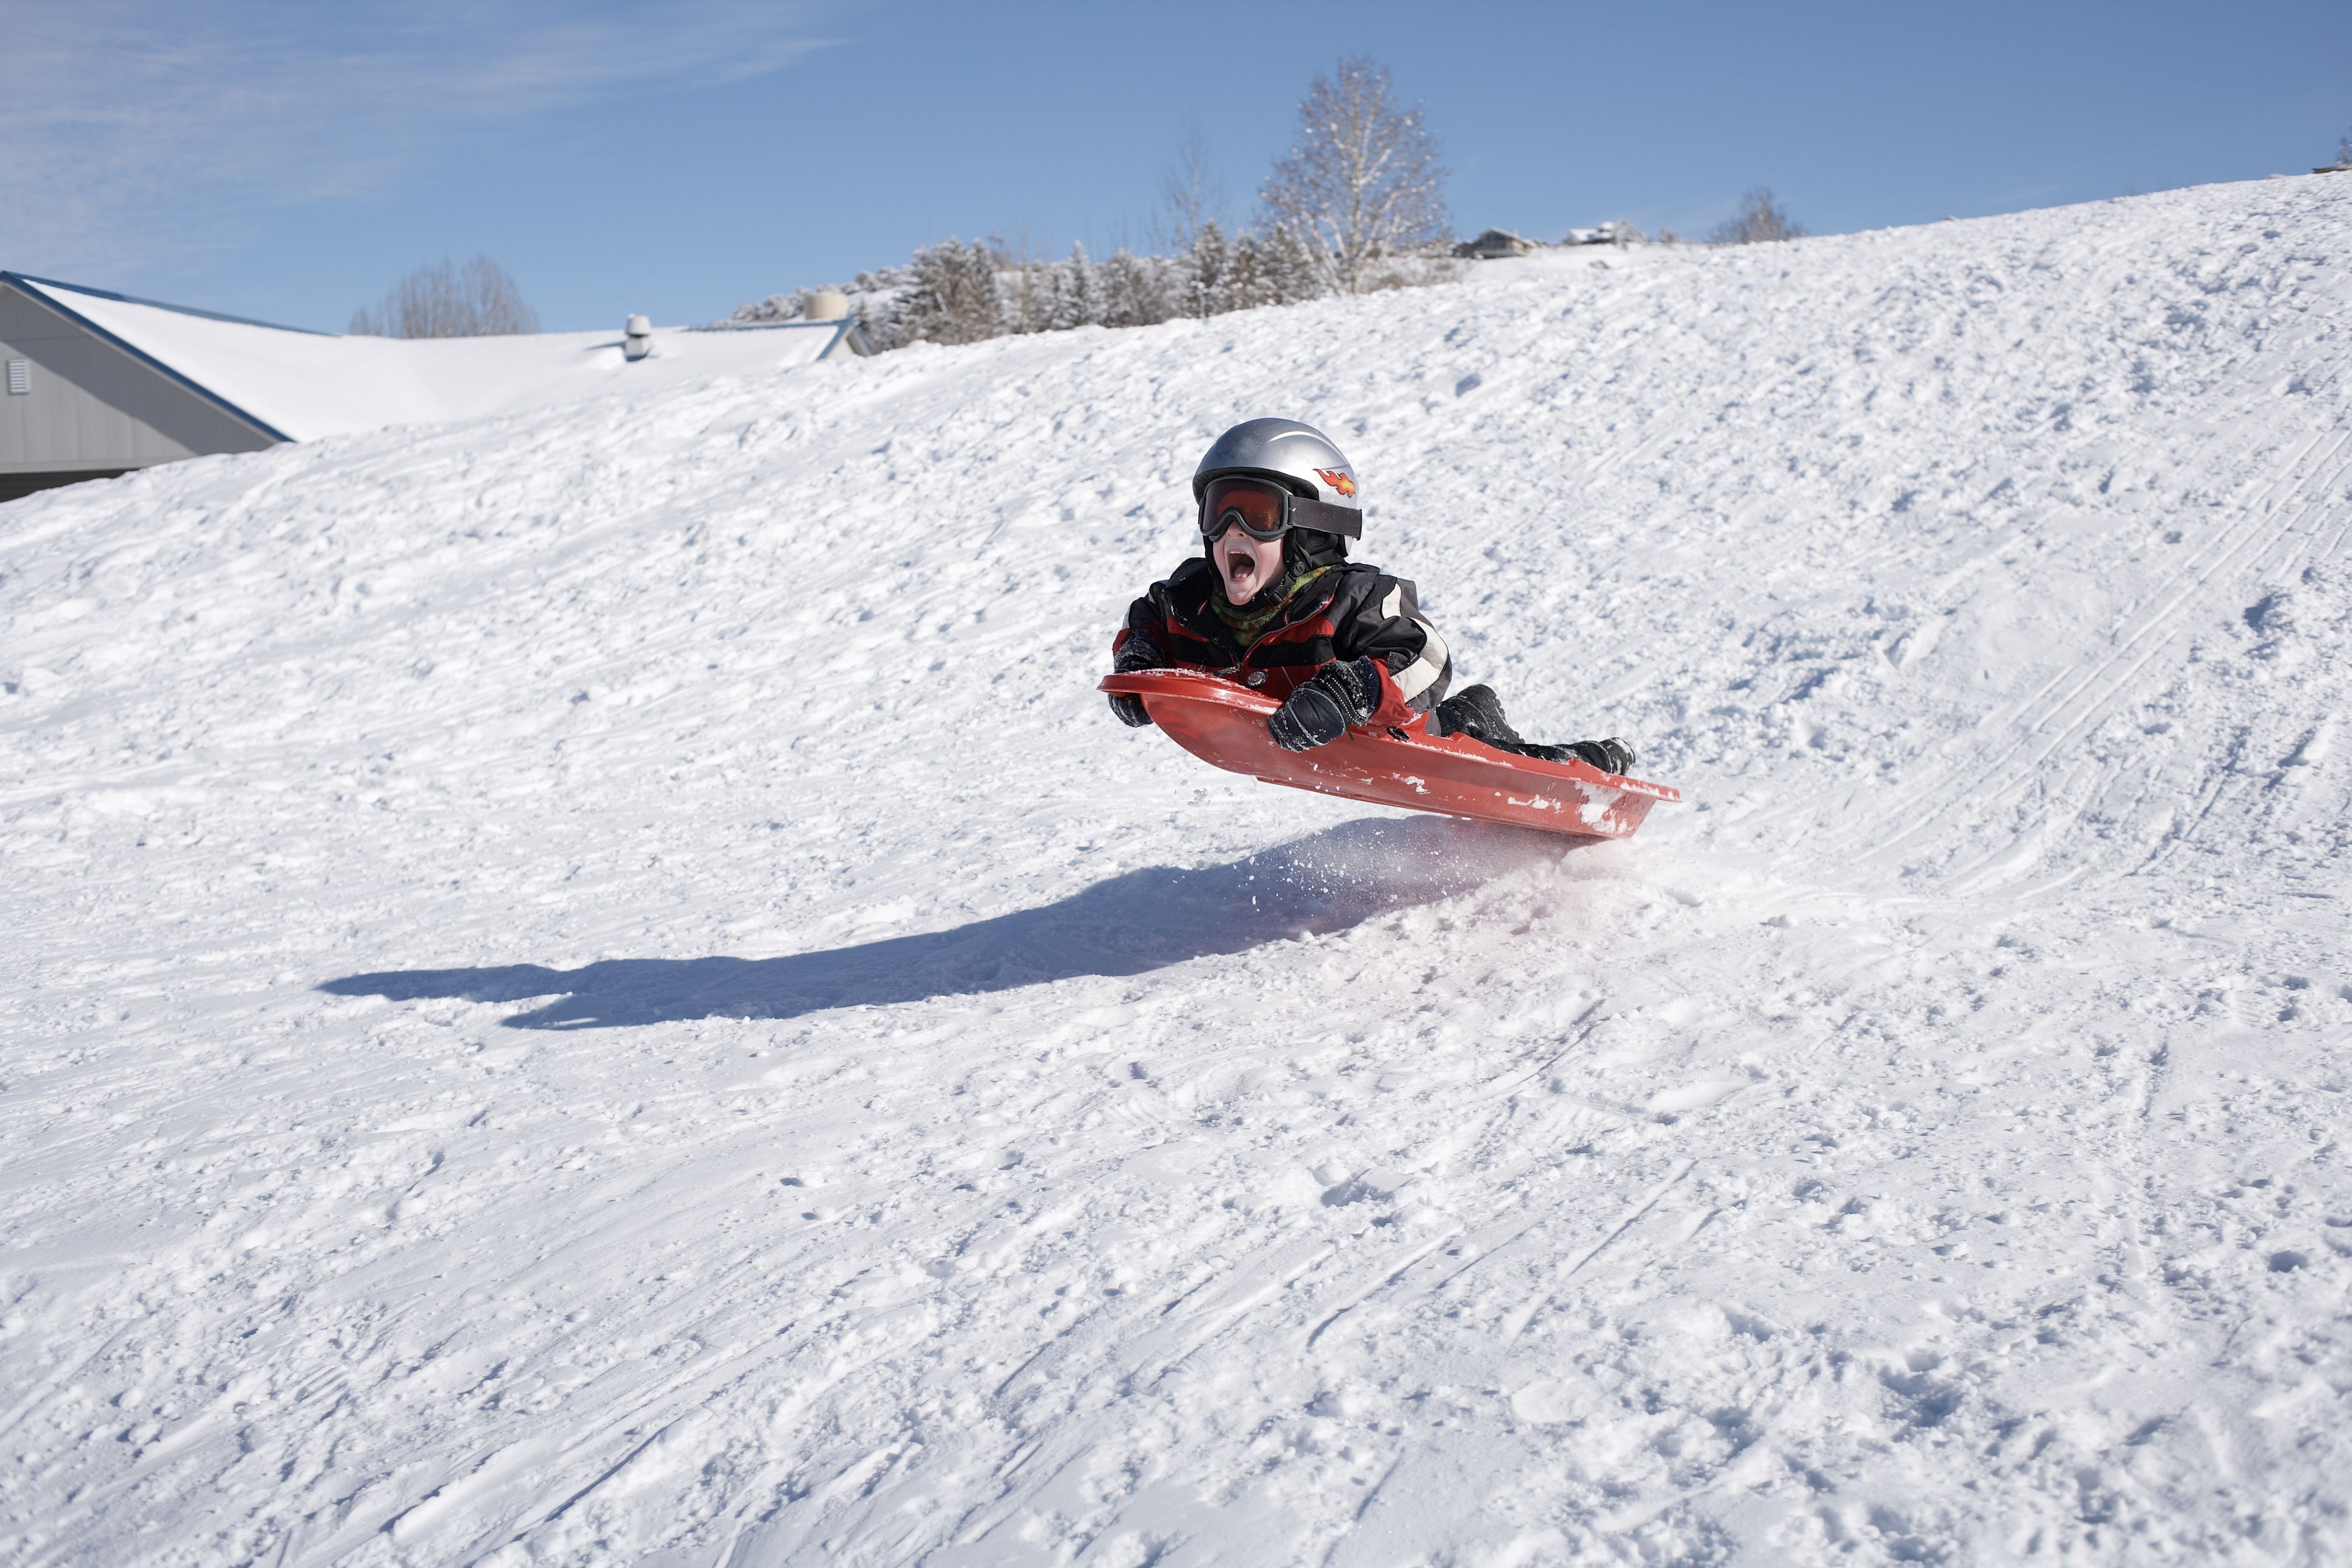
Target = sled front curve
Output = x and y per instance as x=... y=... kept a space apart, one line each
x=1222 y=722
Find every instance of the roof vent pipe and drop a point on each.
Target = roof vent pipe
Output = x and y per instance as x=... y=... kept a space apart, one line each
x=826 y=305
x=638 y=339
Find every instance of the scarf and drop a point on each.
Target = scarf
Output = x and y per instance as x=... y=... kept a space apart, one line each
x=1249 y=622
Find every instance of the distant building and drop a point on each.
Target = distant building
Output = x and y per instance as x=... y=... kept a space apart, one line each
x=82 y=403
x=1495 y=244
x=99 y=383
x=1616 y=231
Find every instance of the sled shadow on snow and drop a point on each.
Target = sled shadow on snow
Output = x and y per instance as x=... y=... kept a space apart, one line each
x=1128 y=924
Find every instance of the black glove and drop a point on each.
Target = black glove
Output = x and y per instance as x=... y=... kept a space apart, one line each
x=1139 y=653
x=1319 y=713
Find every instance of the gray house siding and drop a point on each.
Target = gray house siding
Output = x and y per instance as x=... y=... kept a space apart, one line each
x=91 y=407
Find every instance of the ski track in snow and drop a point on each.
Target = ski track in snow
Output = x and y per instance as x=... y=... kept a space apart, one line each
x=598 y=985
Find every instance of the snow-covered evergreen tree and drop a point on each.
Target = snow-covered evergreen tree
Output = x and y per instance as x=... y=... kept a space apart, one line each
x=1030 y=292
x=1288 y=267
x=952 y=295
x=1137 y=291
x=1080 y=297
x=1244 y=288
x=1207 y=272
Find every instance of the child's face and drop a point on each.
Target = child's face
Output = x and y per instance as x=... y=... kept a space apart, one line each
x=1246 y=565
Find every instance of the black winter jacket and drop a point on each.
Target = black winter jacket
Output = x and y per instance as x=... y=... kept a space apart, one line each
x=1344 y=611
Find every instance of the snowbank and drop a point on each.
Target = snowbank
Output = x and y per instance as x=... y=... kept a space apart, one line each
x=600 y=985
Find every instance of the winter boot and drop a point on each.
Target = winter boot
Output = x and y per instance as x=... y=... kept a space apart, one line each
x=1478 y=712
x=1611 y=756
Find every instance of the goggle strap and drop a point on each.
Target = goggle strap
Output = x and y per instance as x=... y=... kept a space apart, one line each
x=1325 y=518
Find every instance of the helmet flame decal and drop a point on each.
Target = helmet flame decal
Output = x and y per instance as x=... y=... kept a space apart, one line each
x=1339 y=481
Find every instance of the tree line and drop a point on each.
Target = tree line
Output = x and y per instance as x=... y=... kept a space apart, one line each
x=1356 y=205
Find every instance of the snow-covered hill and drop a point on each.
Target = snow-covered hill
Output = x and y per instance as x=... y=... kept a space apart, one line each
x=599 y=986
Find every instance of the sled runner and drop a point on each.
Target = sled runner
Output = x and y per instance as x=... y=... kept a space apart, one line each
x=1222 y=722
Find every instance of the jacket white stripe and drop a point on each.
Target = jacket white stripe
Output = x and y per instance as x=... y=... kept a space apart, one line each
x=1422 y=673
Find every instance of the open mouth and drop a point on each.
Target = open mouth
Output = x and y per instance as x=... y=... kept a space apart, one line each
x=1240 y=564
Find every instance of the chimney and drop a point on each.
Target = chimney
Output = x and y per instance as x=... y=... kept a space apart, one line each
x=826 y=305
x=638 y=339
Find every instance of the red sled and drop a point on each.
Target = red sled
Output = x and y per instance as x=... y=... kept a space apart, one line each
x=1222 y=722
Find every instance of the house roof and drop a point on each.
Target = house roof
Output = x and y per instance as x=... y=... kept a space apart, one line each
x=298 y=384
x=1496 y=242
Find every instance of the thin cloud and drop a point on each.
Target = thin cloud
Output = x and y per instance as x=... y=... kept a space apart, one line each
x=131 y=135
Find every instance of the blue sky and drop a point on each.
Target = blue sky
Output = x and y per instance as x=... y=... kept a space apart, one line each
x=291 y=161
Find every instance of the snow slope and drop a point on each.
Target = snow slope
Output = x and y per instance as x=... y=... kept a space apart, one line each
x=600 y=987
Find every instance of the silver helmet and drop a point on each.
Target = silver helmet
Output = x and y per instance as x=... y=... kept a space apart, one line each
x=1298 y=458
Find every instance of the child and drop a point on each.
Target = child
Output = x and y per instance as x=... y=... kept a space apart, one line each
x=1274 y=602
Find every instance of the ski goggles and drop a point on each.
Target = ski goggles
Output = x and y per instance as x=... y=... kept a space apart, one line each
x=1267 y=511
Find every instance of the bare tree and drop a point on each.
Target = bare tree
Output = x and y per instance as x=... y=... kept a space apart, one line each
x=1760 y=219
x=1190 y=195
x=1363 y=181
x=477 y=300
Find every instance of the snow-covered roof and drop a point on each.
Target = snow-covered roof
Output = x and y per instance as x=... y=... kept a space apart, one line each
x=303 y=385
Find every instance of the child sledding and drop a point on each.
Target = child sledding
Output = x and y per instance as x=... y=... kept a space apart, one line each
x=1274 y=655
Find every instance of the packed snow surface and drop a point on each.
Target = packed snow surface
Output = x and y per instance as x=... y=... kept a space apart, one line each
x=599 y=986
